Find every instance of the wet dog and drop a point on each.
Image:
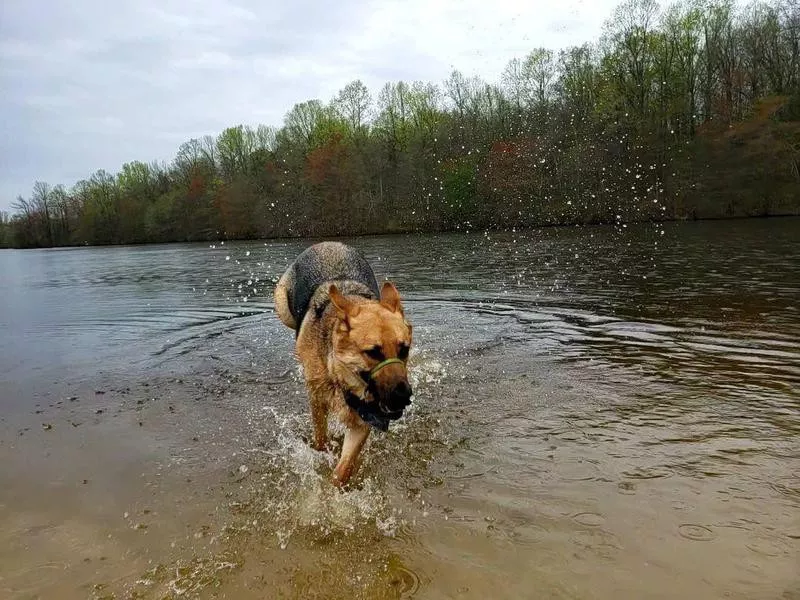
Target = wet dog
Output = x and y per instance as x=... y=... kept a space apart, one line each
x=352 y=339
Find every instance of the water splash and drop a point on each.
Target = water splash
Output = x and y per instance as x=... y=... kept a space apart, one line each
x=295 y=494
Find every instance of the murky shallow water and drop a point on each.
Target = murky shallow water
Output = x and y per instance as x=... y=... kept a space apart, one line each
x=600 y=413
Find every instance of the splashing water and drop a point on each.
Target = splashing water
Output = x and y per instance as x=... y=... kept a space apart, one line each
x=295 y=489
x=299 y=493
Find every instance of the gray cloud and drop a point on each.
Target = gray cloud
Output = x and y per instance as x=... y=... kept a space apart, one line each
x=92 y=84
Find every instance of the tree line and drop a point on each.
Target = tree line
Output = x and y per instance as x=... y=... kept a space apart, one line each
x=686 y=111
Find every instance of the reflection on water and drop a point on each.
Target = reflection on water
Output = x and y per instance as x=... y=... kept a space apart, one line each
x=599 y=413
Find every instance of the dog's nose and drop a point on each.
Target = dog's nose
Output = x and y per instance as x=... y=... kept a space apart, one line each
x=401 y=394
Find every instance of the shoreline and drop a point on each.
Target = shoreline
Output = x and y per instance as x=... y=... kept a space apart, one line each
x=412 y=232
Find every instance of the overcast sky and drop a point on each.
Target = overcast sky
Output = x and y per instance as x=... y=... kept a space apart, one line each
x=91 y=84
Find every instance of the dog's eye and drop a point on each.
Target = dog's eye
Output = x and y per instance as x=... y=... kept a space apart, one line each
x=403 y=353
x=375 y=353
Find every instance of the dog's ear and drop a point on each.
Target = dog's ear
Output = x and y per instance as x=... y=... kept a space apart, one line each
x=344 y=307
x=390 y=297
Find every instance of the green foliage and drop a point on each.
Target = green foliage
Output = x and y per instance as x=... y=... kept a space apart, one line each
x=160 y=218
x=459 y=185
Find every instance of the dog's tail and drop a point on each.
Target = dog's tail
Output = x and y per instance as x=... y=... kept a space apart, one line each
x=285 y=283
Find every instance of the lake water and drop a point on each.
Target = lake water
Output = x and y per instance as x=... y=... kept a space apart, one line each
x=600 y=412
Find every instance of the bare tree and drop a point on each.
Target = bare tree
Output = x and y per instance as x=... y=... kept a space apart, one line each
x=352 y=104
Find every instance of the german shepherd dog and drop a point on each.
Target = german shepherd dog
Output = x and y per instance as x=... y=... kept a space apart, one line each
x=352 y=339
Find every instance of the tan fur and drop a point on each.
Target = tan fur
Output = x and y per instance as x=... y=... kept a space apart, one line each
x=351 y=324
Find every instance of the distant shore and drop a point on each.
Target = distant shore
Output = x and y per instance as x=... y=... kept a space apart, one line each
x=682 y=113
x=454 y=230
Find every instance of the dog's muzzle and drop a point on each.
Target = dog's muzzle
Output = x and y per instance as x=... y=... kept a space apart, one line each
x=379 y=413
x=384 y=407
x=399 y=398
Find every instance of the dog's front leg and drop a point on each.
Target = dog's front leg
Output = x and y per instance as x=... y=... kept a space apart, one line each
x=354 y=439
x=319 y=396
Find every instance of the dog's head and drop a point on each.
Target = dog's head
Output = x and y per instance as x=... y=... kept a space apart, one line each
x=366 y=336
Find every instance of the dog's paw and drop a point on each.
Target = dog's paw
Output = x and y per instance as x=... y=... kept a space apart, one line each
x=338 y=483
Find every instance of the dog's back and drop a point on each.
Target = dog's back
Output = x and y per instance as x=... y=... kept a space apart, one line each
x=321 y=263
